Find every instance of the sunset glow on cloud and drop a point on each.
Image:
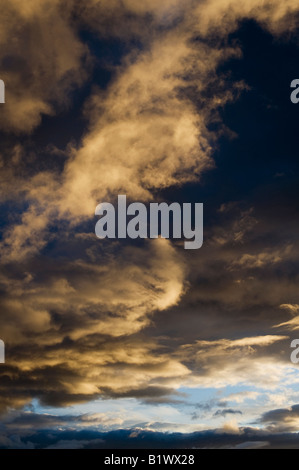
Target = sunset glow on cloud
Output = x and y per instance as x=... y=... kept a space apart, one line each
x=130 y=340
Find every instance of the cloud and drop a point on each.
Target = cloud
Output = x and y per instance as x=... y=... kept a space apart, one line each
x=152 y=122
x=82 y=323
x=253 y=445
x=292 y=324
x=147 y=106
x=83 y=319
x=228 y=438
x=114 y=299
x=225 y=362
x=240 y=397
x=282 y=420
x=161 y=142
x=223 y=17
x=292 y=308
x=41 y=61
x=258 y=261
x=130 y=19
x=161 y=139
x=228 y=411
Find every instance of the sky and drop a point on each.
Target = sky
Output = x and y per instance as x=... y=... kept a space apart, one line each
x=140 y=343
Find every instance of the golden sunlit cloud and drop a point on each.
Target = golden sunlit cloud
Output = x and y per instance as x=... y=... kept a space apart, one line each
x=83 y=319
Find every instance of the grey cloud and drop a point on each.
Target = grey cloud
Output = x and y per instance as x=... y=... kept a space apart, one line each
x=229 y=411
x=282 y=420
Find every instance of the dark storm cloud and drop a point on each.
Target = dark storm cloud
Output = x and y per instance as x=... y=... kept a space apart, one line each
x=239 y=284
